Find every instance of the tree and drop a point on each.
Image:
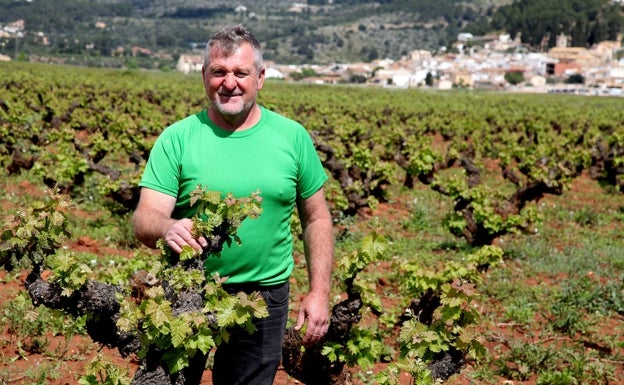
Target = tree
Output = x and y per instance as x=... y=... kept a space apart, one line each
x=615 y=23
x=579 y=33
x=305 y=73
x=429 y=79
x=597 y=33
x=514 y=77
x=575 y=79
x=358 y=79
x=588 y=22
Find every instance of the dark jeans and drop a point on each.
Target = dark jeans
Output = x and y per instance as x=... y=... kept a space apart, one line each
x=250 y=359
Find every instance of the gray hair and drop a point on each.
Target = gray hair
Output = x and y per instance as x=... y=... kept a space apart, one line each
x=229 y=39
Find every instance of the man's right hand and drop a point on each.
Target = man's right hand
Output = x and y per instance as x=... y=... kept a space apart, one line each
x=180 y=234
x=152 y=221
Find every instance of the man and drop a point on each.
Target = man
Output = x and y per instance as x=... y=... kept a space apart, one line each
x=239 y=146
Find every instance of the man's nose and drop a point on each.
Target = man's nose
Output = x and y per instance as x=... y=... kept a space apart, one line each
x=230 y=81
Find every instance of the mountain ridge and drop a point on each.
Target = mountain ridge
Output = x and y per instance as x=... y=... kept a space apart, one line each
x=317 y=32
x=154 y=33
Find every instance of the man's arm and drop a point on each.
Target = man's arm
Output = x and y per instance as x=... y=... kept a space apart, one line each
x=319 y=251
x=152 y=221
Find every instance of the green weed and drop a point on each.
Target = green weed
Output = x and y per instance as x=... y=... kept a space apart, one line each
x=29 y=327
x=40 y=373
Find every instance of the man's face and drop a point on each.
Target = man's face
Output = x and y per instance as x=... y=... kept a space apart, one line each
x=232 y=82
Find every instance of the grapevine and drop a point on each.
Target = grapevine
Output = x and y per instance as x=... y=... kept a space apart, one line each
x=165 y=316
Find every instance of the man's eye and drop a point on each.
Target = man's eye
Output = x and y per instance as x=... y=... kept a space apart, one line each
x=242 y=74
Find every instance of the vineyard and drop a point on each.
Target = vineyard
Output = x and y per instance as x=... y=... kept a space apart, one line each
x=479 y=236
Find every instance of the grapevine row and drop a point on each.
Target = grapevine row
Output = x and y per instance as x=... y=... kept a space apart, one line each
x=494 y=156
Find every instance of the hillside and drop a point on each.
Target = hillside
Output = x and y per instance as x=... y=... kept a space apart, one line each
x=344 y=31
x=155 y=33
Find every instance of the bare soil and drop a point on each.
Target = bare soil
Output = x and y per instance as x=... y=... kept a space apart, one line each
x=16 y=368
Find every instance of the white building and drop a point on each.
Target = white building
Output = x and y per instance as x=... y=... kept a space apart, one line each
x=190 y=63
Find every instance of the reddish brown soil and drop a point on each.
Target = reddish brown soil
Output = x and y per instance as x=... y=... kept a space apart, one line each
x=14 y=369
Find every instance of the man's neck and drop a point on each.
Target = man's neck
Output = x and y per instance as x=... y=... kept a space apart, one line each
x=238 y=122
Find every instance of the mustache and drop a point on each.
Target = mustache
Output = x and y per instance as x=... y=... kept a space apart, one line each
x=227 y=93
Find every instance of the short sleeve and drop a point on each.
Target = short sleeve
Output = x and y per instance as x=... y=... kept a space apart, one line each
x=162 y=171
x=312 y=175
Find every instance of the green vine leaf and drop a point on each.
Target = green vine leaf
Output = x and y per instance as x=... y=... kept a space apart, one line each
x=180 y=331
x=159 y=314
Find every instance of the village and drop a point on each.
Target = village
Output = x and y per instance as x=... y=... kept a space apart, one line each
x=473 y=62
x=480 y=62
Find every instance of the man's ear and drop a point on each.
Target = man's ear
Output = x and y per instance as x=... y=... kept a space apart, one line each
x=261 y=78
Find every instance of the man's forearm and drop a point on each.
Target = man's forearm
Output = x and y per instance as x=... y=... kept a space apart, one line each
x=149 y=227
x=319 y=249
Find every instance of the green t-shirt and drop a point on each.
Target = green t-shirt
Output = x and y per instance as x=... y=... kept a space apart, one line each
x=276 y=157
